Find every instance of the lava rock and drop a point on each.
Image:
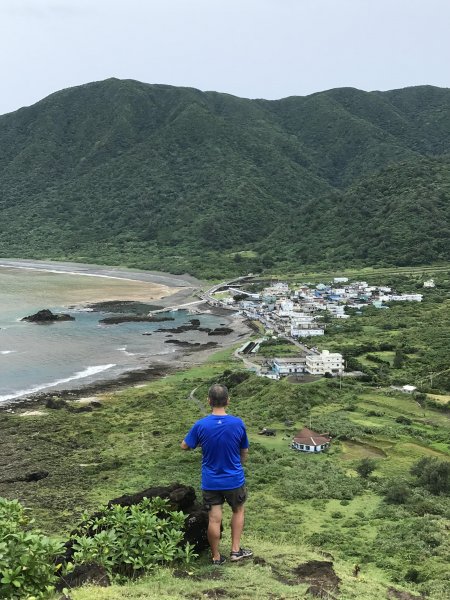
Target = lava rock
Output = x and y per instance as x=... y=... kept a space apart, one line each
x=46 y=316
x=91 y=573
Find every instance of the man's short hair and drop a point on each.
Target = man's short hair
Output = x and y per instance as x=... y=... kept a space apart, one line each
x=218 y=395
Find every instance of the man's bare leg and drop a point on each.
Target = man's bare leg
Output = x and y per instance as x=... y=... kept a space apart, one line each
x=237 y=525
x=215 y=520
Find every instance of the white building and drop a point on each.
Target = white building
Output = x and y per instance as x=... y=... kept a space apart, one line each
x=325 y=362
x=307 y=440
x=429 y=284
x=306 y=330
x=337 y=310
x=277 y=289
x=288 y=366
x=404 y=297
x=409 y=389
x=340 y=280
x=286 y=308
x=299 y=318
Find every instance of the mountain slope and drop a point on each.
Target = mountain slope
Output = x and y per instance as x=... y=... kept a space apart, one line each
x=174 y=178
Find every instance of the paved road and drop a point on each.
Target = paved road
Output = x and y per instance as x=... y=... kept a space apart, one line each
x=247 y=362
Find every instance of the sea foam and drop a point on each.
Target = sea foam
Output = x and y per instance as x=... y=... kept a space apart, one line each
x=38 y=388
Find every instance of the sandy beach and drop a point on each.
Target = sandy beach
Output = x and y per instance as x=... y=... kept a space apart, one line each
x=88 y=284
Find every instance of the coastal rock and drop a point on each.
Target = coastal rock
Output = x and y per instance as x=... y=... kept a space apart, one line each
x=55 y=403
x=183 y=343
x=194 y=325
x=221 y=331
x=134 y=319
x=46 y=316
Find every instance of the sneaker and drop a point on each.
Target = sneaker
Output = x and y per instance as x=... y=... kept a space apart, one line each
x=219 y=561
x=240 y=554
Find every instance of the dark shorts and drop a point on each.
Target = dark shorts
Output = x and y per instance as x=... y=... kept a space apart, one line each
x=234 y=497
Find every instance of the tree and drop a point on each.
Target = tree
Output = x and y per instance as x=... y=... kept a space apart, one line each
x=397 y=493
x=365 y=467
x=399 y=358
x=433 y=474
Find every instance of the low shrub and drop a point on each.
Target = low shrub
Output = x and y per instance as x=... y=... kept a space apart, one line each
x=27 y=559
x=132 y=539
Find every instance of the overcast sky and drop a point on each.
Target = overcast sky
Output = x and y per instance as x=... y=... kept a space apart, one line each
x=250 y=48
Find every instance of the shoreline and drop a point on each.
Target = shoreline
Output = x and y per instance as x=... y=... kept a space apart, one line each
x=181 y=288
x=112 y=283
x=180 y=360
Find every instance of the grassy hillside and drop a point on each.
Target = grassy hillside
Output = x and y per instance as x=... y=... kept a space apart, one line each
x=182 y=180
x=300 y=507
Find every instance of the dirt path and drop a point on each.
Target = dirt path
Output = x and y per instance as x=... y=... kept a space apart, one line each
x=197 y=401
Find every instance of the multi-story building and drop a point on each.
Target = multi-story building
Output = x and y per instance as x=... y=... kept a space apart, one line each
x=288 y=366
x=325 y=362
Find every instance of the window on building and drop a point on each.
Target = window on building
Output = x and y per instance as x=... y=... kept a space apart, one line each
x=301 y=446
x=306 y=447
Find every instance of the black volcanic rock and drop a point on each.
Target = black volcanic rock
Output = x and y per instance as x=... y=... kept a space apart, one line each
x=46 y=316
x=134 y=319
x=89 y=573
x=221 y=331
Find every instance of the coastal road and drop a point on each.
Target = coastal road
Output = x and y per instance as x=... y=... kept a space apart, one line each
x=176 y=307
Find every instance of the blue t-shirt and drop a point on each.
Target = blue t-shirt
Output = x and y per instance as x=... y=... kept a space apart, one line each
x=221 y=438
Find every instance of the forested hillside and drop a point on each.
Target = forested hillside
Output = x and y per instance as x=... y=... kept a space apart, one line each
x=182 y=180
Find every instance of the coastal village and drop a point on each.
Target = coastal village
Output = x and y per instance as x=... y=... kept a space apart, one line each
x=298 y=313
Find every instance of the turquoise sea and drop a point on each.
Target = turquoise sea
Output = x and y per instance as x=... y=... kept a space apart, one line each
x=65 y=355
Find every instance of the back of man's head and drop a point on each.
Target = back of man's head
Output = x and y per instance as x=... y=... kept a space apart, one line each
x=218 y=395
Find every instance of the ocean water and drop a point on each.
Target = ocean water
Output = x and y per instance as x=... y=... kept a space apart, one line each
x=65 y=355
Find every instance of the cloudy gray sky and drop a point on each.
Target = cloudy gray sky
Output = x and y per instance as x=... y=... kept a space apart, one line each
x=250 y=48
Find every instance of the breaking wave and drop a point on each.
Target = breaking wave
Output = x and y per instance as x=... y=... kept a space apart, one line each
x=43 y=386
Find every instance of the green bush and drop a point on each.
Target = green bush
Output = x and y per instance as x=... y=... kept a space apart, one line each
x=365 y=467
x=316 y=479
x=27 y=559
x=397 y=493
x=433 y=474
x=132 y=539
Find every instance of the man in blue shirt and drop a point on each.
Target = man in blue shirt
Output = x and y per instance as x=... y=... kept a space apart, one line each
x=224 y=443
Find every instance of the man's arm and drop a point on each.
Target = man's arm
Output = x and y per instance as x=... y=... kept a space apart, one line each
x=184 y=446
x=244 y=455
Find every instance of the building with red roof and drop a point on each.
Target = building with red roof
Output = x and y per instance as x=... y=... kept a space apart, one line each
x=307 y=440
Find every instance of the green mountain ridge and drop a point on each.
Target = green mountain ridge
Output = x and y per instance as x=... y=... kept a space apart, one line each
x=175 y=178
